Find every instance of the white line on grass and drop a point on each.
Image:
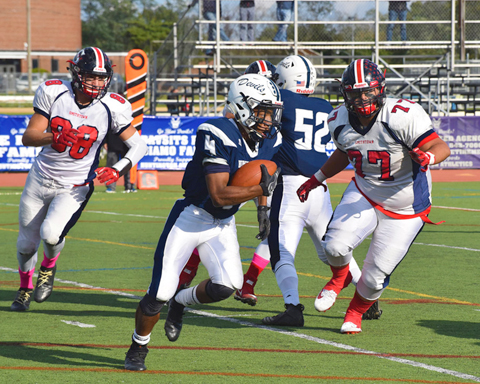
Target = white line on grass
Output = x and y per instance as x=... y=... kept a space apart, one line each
x=78 y=324
x=294 y=334
x=455 y=208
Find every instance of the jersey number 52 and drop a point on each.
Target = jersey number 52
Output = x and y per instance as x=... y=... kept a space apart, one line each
x=313 y=135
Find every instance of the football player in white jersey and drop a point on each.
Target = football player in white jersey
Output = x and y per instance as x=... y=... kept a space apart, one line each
x=304 y=138
x=390 y=143
x=70 y=122
x=204 y=219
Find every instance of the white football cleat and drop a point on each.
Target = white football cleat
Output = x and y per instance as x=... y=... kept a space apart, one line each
x=325 y=300
x=350 y=328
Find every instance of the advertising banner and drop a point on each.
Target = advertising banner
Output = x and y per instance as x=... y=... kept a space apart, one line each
x=14 y=156
x=171 y=142
x=462 y=134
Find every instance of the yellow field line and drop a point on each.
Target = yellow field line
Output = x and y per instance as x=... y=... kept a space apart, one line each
x=92 y=240
x=299 y=273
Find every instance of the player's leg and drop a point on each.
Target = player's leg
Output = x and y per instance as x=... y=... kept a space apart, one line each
x=320 y=213
x=171 y=255
x=190 y=270
x=220 y=253
x=384 y=255
x=260 y=260
x=287 y=222
x=32 y=210
x=63 y=212
x=353 y=220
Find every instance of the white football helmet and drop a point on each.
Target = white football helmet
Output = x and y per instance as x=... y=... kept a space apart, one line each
x=297 y=74
x=251 y=99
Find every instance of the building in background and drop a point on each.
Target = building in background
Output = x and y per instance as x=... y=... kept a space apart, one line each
x=56 y=35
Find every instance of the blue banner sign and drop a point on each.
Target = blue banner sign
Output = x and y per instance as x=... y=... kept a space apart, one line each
x=171 y=142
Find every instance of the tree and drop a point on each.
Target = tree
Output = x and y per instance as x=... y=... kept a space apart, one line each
x=121 y=25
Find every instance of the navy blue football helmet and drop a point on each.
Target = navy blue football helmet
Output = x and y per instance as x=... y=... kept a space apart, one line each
x=91 y=61
x=363 y=88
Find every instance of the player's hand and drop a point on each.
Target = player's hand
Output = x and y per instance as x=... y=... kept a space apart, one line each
x=67 y=136
x=107 y=175
x=268 y=182
x=306 y=187
x=263 y=222
x=423 y=158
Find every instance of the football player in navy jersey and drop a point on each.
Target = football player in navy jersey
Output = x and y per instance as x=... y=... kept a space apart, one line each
x=267 y=69
x=390 y=143
x=304 y=140
x=204 y=218
x=70 y=122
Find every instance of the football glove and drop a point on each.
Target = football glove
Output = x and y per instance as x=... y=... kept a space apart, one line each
x=67 y=136
x=306 y=187
x=423 y=158
x=107 y=175
x=263 y=222
x=268 y=182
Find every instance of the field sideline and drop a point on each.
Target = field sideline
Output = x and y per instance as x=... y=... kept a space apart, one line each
x=429 y=331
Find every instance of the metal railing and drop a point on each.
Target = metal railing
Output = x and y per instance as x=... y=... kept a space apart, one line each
x=441 y=42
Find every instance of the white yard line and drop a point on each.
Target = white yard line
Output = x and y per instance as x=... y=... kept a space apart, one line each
x=287 y=333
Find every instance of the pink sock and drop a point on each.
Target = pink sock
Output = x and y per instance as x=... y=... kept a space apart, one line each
x=259 y=261
x=49 y=263
x=26 y=278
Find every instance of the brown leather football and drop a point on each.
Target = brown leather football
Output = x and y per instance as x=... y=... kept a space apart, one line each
x=251 y=174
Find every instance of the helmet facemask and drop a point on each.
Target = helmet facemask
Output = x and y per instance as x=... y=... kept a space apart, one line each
x=364 y=102
x=363 y=88
x=91 y=90
x=264 y=119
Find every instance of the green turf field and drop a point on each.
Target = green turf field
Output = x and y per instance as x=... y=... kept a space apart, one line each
x=429 y=331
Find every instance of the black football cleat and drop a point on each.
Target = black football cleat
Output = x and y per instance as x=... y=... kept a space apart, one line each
x=292 y=317
x=135 y=357
x=44 y=286
x=373 y=313
x=174 y=321
x=22 y=300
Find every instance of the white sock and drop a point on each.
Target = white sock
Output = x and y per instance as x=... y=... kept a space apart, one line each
x=142 y=340
x=187 y=296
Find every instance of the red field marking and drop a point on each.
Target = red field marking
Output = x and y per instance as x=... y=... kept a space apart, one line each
x=229 y=349
x=195 y=373
x=17 y=179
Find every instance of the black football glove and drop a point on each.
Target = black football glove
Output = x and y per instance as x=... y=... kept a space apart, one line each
x=268 y=182
x=263 y=222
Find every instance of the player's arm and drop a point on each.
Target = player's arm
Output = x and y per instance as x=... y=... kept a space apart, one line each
x=36 y=134
x=432 y=152
x=335 y=164
x=137 y=149
x=223 y=194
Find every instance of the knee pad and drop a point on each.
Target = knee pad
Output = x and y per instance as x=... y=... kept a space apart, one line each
x=48 y=234
x=218 y=292
x=26 y=248
x=335 y=248
x=150 y=306
x=370 y=286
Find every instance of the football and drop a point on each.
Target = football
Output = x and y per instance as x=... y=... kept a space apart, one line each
x=251 y=174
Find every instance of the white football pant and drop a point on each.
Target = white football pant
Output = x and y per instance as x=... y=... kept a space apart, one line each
x=353 y=221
